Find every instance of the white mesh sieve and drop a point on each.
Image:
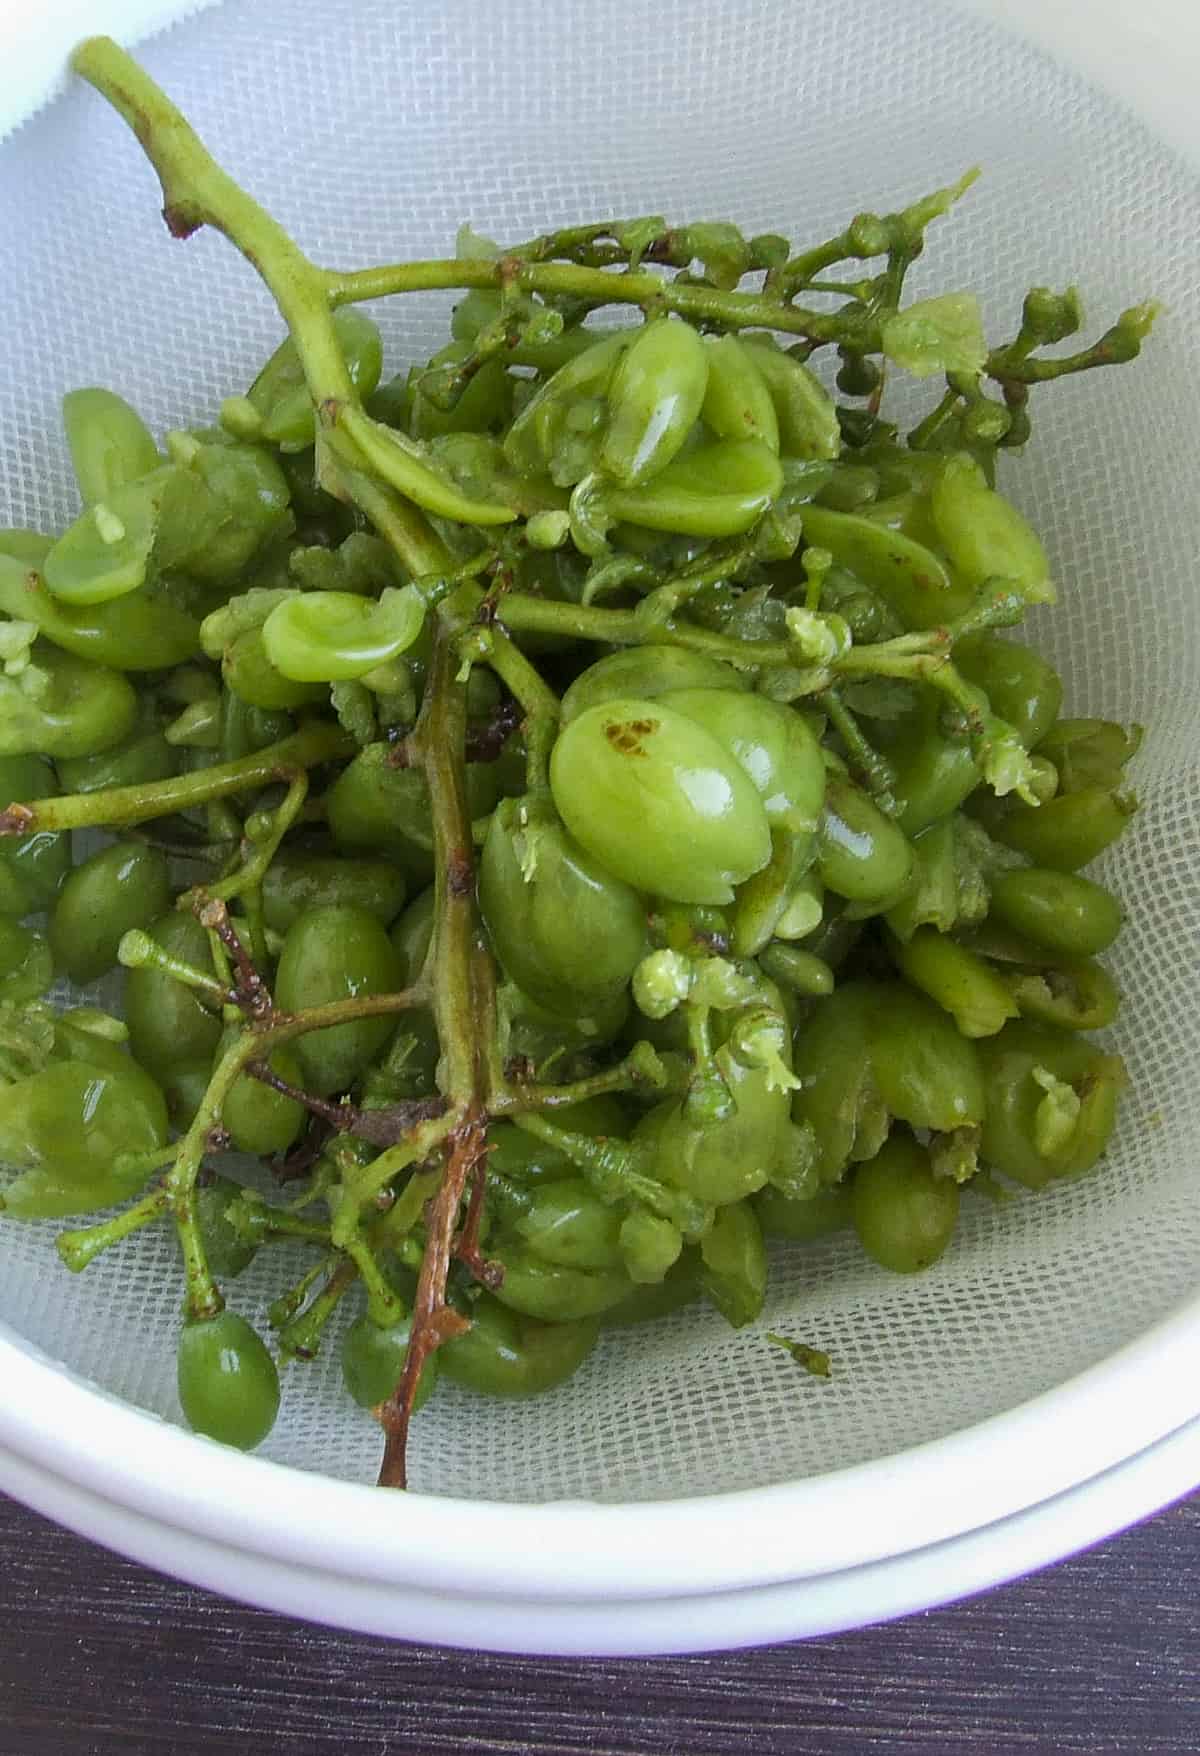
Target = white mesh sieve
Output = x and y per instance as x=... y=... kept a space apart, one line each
x=372 y=129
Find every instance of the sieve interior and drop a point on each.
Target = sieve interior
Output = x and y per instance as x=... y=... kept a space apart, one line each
x=371 y=130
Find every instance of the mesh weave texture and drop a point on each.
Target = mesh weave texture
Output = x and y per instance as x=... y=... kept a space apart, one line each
x=372 y=128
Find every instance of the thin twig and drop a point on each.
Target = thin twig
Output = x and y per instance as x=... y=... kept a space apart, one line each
x=382 y=1127
x=467 y=1251
x=250 y=991
x=433 y=1320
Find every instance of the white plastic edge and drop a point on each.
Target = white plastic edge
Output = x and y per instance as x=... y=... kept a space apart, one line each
x=790 y=1610
x=792 y=1531
x=1144 y=52
x=38 y=39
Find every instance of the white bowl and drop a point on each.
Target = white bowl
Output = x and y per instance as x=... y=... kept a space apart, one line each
x=688 y=1490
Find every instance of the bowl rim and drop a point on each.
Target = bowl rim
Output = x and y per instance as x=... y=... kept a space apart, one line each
x=792 y=1609
x=908 y=1500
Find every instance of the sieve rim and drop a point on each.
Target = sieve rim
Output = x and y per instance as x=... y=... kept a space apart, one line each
x=928 y=1493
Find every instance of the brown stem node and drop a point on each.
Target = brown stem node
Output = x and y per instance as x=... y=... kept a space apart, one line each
x=250 y=990
x=17 y=820
x=460 y=874
x=181 y=220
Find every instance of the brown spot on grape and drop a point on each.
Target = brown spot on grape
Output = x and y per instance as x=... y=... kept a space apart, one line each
x=627 y=736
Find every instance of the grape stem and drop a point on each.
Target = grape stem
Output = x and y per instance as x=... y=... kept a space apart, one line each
x=116 y=807
x=597 y=286
x=382 y=1126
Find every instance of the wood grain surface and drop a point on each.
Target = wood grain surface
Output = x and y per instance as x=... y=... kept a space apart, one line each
x=1099 y=1656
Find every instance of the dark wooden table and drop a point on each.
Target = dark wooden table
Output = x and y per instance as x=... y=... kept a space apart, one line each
x=1099 y=1655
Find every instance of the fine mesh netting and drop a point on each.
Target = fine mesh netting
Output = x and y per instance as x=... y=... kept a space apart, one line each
x=372 y=128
